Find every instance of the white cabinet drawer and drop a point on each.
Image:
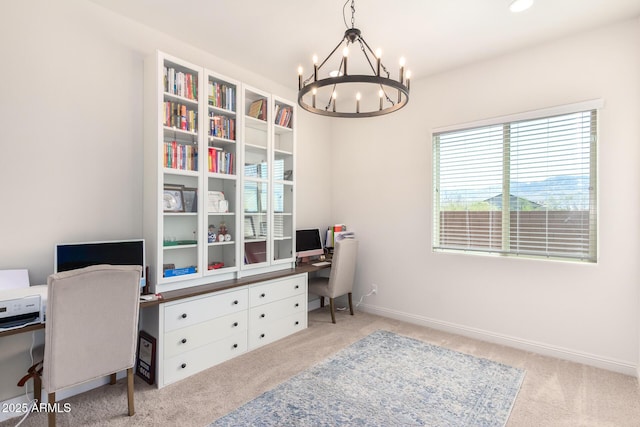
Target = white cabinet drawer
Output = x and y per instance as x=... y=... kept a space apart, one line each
x=198 y=310
x=276 y=310
x=269 y=332
x=277 y=289
x=199 y=359
x=186 y=339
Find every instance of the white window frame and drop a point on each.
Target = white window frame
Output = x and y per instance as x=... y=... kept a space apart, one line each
x=590 y=105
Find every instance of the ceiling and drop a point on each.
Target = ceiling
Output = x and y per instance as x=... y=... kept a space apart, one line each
x=274 y=37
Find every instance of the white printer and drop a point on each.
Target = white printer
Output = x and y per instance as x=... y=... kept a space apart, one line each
x=20 y=304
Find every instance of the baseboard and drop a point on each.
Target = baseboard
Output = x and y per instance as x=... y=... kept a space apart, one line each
x=313 y=304
x=619 y=366
x=20 y=402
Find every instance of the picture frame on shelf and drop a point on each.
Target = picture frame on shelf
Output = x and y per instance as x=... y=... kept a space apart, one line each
x=190 y=196
x=213 y=202
x=173 y=199
x=249 y=229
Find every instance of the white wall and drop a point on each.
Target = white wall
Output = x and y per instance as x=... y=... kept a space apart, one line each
x=382 y=189
x=71 y=111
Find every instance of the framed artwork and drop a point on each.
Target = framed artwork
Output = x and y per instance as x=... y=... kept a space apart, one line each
x=190 y=196
x=172 y=199
x=146 y=362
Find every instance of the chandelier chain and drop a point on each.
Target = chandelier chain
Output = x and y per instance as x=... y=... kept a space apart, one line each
x=353 y=13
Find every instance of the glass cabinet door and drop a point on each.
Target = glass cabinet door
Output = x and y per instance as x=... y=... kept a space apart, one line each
x=283 y=183
x=255 y=193
x=179 y=228
x=256 y=222
x=221 y=219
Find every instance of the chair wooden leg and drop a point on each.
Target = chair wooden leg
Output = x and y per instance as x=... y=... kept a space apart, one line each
x=333 y=310
x=112 y=379
x=350 y=304
x=321 y=302
x=37 y=388
x=130 y=391
x=51 y=415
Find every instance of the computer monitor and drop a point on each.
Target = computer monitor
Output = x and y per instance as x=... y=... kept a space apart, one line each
x=69 y=256
x=308 y=243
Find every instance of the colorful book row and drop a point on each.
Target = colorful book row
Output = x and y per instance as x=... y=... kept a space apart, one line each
x=221 y=161
x=179 y=116
x=283 y=116
x=222 y=127
x=180 y=156
x=222 y=96
x=180 y=83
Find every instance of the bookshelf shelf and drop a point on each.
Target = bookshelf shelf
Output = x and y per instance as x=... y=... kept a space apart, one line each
x=232 y=242
x=181 y=133
x=178 y=98
x=178 y=247
x=221 y=141
x=173 y=171
x=254 y=123
x=222 y=111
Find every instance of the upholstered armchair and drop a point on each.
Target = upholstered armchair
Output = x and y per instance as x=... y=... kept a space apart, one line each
x=91 y=327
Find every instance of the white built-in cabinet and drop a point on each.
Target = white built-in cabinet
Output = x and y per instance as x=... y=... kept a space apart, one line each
x=219 y=206
x=199 y=332
x=219 y=173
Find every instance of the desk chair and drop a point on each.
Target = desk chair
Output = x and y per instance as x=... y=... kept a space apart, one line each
x=91 y=327
x=340 y=280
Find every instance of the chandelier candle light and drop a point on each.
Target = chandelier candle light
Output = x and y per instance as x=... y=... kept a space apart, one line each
x=371 y=86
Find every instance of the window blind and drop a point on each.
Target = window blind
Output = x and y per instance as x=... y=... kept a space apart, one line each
x=522 y=187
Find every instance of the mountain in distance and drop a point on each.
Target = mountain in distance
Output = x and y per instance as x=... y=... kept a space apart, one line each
x=557 y=192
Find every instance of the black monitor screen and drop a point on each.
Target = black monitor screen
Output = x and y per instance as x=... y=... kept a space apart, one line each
x=308 y=242
x=69 y=256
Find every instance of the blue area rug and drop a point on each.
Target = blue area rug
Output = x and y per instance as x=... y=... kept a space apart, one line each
x=388 y=380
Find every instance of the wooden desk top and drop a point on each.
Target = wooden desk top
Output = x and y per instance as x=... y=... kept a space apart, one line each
x=199 y=290
x=230 y=284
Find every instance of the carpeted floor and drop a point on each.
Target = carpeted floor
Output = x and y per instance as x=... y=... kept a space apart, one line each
x=554 y=392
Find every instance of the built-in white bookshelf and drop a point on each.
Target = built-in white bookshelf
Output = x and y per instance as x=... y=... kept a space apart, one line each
x=219 y=192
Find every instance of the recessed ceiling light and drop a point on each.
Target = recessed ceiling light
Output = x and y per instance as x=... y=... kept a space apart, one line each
x=520 y=5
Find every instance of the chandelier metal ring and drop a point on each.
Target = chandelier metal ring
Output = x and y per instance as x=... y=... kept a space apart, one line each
x=376 y=80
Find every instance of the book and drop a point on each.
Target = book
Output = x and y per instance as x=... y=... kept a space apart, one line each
x=256 y=109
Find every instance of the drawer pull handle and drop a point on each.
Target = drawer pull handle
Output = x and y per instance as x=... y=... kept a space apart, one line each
x=184 y=315
x=262 y=316
x=183 y=341
x=235 y=324
x=235 y=346
x=263 y=295
x=184 y=365
x=235 y=302
x=297 y=305
x=297 y=286
x=297 y=323
x=261 y=335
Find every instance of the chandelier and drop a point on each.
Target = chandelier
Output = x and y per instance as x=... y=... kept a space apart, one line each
x=367 y=92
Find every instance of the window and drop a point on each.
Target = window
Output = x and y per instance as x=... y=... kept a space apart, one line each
x=525 y=186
